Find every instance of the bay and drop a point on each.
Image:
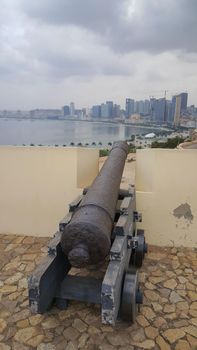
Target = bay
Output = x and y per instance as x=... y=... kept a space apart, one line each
x=59 y=132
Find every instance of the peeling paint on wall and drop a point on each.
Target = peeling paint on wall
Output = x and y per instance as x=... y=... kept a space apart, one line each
x=183 y=211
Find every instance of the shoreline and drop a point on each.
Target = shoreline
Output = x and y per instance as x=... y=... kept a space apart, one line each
x=103 y=121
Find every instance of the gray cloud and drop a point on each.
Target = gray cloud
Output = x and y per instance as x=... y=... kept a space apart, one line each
x=92 y=50
x=125 y=25
x=51 y=52
x=97 y=15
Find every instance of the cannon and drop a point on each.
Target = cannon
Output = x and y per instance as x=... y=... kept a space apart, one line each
x=99 y=230
x=86 y=240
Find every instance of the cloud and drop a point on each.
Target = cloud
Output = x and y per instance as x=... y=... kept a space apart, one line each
x=52 y=53
x=93 y=50
x=74 y=52
x=94 y=14
x=126 y=25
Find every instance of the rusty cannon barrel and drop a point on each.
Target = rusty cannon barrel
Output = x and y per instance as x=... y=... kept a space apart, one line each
x=86 y=239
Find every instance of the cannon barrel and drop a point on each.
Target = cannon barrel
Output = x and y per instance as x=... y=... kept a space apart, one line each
x=86 y=239
x=121 y=194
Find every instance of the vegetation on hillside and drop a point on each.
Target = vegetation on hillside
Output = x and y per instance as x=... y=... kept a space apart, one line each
x=170 y=143
x=104 y=152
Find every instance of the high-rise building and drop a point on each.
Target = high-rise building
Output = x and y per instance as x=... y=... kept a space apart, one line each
x=158 y=107
x=116 y=111
x=173 y=108
x=141 y=107
x=66 y=110
x=104 y=110
x=83 y=112
x=107 y=109
x=184 y=97
x=152 y=102
x=146 y=107
x=136 y=107
x=78 y=113
x=177 y=109
x=96 y=111
x=110 y=108
x=169 y=115
x=72 y=109
x=129 y=107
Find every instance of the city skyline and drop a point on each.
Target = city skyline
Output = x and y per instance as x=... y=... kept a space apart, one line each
x=122 y=105
x=160 y=111
x=52 y=51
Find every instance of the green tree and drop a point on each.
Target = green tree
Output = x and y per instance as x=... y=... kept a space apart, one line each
x=170 y=143
x=103 y=152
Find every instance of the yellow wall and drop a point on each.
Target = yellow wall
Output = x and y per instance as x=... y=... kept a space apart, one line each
x=37 y=184
x=85 y=162
x=166 y=185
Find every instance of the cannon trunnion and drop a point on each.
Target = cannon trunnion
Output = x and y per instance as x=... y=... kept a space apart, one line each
x=118 y=291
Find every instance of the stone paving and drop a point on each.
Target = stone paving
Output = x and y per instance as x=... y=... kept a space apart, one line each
x=167 y=320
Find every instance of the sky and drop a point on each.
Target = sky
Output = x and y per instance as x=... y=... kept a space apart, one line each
x=90 y=51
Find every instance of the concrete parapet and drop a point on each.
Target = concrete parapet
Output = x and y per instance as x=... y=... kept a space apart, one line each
x=38 y=183
x=166 y=194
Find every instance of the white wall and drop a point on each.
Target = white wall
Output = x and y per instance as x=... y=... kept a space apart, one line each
x=166 y=185
x=38 y=183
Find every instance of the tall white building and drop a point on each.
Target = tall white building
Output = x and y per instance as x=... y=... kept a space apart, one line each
x=72 y=109
x=177 y=111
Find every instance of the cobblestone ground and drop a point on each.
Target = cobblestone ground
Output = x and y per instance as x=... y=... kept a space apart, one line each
x=167 y=320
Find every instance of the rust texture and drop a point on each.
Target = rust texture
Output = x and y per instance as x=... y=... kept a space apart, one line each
x=86 y=239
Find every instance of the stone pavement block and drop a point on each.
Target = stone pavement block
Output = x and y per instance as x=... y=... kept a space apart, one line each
x=168 y=320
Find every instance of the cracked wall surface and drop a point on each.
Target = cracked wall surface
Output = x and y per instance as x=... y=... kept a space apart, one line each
x=184 y=211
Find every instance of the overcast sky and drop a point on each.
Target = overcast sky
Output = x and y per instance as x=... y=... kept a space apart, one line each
x=88 y=51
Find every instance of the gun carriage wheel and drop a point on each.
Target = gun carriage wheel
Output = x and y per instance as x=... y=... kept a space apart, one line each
x=139 y=250
x=131 y=297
